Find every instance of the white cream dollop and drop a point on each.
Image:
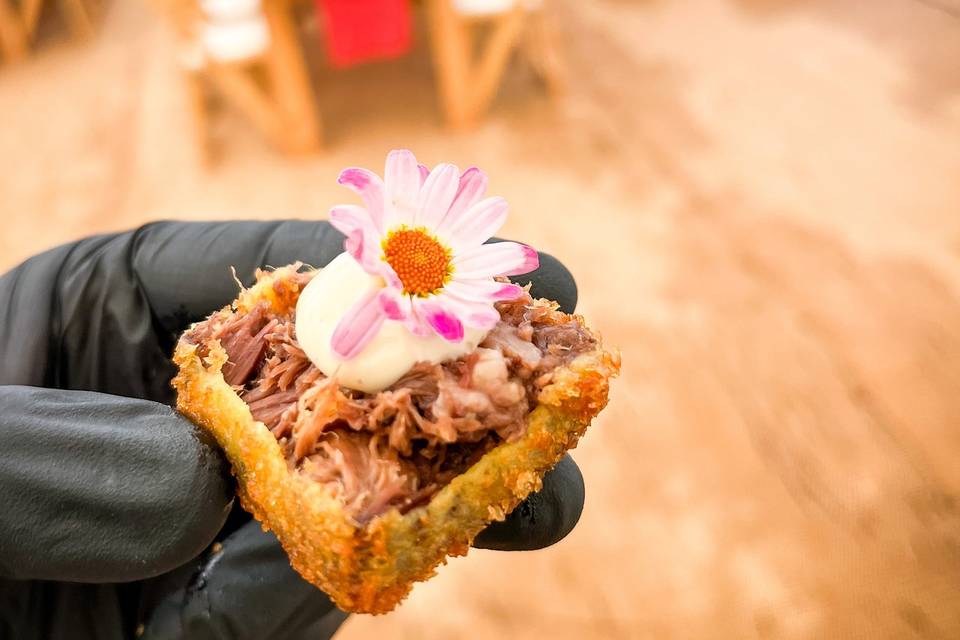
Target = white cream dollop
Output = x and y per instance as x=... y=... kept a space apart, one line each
x=388 y=356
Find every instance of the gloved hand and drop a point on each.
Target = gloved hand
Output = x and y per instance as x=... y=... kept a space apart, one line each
x=117 y=515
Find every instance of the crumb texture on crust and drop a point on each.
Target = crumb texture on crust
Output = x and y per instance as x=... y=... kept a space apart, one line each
x=371 y=568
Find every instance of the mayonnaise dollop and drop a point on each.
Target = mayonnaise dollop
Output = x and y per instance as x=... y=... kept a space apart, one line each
x=388 y=355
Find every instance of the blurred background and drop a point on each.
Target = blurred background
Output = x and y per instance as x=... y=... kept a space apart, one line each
x=760 y=200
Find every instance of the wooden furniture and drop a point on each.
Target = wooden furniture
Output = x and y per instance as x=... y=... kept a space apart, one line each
x=469 y=71
x=13 y=39
x=271 y=89
x=18 y=23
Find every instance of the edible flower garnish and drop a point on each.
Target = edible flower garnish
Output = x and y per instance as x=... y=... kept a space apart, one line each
x=422 y=232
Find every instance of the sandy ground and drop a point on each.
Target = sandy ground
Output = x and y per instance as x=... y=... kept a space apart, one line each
x=761 y=203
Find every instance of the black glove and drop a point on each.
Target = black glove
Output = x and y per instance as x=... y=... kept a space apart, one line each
x=117 y=514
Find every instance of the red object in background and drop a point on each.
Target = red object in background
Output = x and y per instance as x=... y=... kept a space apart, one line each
x=363 y=30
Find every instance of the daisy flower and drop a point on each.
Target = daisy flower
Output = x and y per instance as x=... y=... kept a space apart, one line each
x=422 y=233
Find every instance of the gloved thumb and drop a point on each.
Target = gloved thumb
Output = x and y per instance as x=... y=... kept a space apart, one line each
x=100 y=488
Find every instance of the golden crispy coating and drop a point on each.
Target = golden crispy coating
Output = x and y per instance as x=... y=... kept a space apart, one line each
x=371 y=568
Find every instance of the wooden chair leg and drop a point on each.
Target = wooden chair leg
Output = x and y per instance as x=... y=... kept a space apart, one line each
x=494 y=59
x=290 y=81
x=544 y=50
x=467 y=85
x=30 y=14
x=451 y=45
x=239 y=86
x=78 y=17
x=13 y=40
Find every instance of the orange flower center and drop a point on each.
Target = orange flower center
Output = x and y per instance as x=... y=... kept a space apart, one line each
x=419 y=260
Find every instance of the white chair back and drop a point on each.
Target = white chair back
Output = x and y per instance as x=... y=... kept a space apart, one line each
x=233 y=30
x=478 y=8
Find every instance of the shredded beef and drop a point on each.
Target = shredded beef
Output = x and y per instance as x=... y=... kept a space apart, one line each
x=398 y=447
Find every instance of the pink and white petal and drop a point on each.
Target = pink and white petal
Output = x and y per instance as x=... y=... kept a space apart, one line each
x=488 y=291
x=497 y=259
x=349 y=217
x=357 y=247
x=363 y=241
x=358 y=326
x=402 y=187
x=442 y=319
x=415 y=322
x=395 y=305
x=424 y=172
x=385 y=271
x=481 y=221
x=483 y=318
x=479 y=315
x=436 y=195
x=473 y=184
x=369 y=187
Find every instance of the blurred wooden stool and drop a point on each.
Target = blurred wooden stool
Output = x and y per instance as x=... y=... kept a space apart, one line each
x=18 y=23
x=250 y=56
x=468 y=81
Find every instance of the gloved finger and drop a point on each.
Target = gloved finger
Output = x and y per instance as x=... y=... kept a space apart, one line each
x=245 y=589
x=544 y=518
x=184 y=267
x=553 y=281
x=99 y=488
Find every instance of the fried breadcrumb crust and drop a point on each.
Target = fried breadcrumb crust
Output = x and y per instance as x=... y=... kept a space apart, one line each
x=371 y=568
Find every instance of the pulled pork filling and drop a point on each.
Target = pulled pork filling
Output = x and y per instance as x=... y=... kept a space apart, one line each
x=398 y=447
